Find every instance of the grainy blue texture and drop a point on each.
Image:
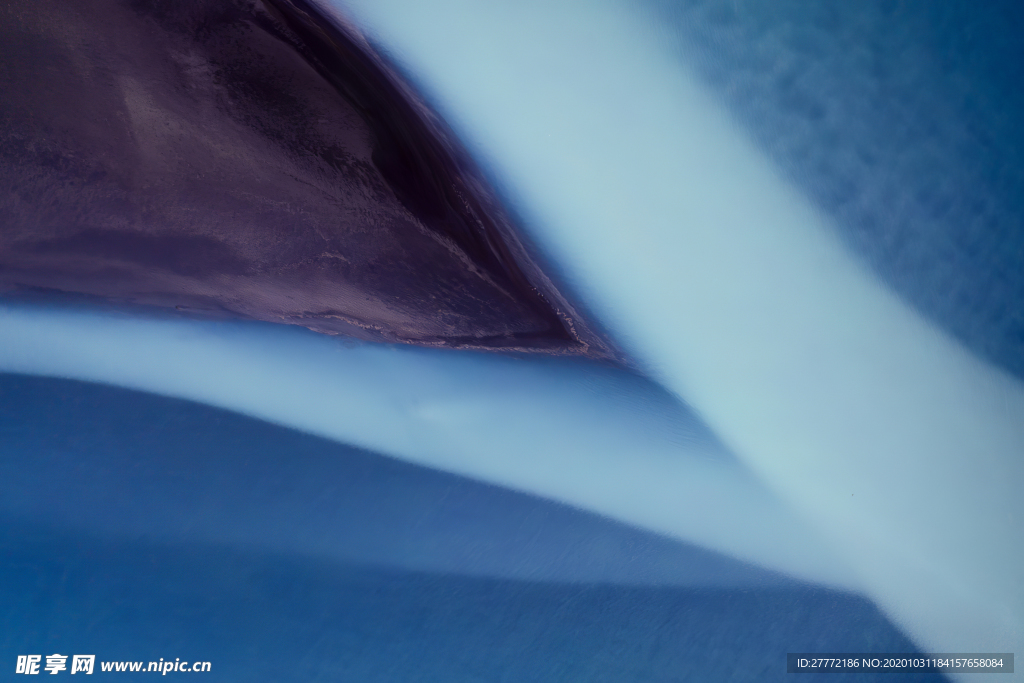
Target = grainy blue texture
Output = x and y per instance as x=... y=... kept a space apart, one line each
x=126 y=464
x=259 y=617
x=898 y=120
x=137 y=527
x=902 y=121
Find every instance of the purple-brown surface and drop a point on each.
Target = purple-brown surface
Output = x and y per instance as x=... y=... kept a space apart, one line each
x=252 y=159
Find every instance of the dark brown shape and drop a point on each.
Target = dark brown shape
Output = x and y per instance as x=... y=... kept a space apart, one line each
x=252 y=158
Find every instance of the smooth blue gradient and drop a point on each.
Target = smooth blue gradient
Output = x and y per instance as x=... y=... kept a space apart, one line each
x=601 y=439
x=137 y=527
x=736 y=292
x=822 y=410
x=117 y=464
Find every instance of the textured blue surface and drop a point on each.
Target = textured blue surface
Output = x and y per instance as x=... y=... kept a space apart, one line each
x=901 y=120
x=275 y=618
x=128 y=464
x=137 y=527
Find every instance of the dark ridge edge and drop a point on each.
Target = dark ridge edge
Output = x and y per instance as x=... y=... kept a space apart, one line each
x=435 y=177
